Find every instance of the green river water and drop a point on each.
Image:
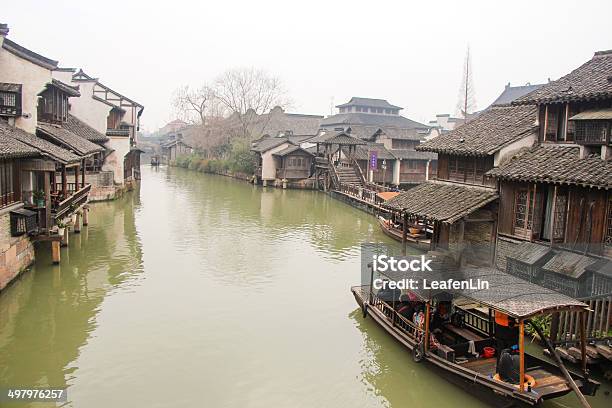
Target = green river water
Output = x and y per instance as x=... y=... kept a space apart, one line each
x=204 y=291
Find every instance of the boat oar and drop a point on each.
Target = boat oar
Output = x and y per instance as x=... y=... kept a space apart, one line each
x=566 y=373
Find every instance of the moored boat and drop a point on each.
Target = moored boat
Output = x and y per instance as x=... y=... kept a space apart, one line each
x=467 y=343
x=415 y=238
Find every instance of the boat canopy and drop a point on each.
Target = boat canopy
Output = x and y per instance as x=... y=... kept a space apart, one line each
x=505 y=293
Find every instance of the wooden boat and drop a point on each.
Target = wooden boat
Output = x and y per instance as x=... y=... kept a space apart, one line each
x=419 y=241
x=508 y=296
x=155 y=160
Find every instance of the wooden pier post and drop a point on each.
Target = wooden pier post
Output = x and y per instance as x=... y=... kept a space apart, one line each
x=65 y=240
x=583 y=354
x=77 y=224
x=404 y=232
x=85 y=216
x=522 y=355
x=55 y=251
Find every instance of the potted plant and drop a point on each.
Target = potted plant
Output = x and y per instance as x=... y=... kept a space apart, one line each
x=38 y=197
x=61 y=227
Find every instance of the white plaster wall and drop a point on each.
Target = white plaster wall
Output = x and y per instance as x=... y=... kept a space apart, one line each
x=33 y=78
x=396 y=171
x=510 y=149
x=114 y=161
x=268 y=164
x=89 y=110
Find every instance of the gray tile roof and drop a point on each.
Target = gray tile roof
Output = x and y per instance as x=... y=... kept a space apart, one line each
x=568 y=264
x=407 y=154
x=31 y=56
x=268 y=143
x=512 y=93
x=291 y=149
x=69 y=89
x=369 y=102
x=442 y=202
x=10 y=146
x=371 y=119
x=80 y=128
x=489 y=132
x=47 y=148
x=592 y=80
x=529 y=252
x=549 y=163
x=362 y=152
x=67 y=139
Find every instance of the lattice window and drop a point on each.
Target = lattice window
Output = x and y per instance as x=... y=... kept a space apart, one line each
x=591 y=131
x=559 y=217
x=520 y=208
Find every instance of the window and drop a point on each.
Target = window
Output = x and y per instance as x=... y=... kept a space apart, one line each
x=468 y=169
x=592 y=131
x=341 y=110
x=7 y=195
x=379 y=110
x=571 y=125
x=388 y=111
x=550 y=130
x=10 y=99
x=527 y=212
x=53 y=105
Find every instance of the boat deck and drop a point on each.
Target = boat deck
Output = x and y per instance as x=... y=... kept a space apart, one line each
x=546 y=382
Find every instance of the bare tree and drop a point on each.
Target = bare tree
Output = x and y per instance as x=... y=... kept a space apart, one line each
x=247 y=94
x=466 y=104
x=194 y=105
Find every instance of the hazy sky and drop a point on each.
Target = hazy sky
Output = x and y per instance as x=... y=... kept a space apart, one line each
x=410 y=53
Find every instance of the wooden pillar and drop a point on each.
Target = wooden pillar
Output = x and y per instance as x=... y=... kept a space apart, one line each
x=55 y=251
x=583 y=354
x=85 y=216
x=426 y=339
x=65 y=240
x=47 y=190
x=77 y=224
x=552 y=217
x=522 y=355
x=554 y=327
x=83 y=174
x=76 y=177
x=64 y=182
x=404 y=229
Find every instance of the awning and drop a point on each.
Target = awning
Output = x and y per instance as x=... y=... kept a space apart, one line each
x=387 y=195
x=441 y=202
x=600 y=114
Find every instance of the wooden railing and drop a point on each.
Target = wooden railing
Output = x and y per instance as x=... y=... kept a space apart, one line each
x=361 y=193
x=476 y=322
x=406 y=325
x=597 y=322
x=77 y=199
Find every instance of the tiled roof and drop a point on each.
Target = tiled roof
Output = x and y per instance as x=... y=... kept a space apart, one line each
x=69 y=89
x=442 y=202
x=370 y=119
x=369 y=102
x=487 y=133
x=529 y=252
x=407 y=154
x=10 y=146
x=80 y=128
x=47 y=148
x=31 y=56
x=512 y=93
x=568 y=264
x=362 y=152
x=68 y=139
x=592 y=80
x=344 y=139
x=291 y=149
x=269 y=143
x=550 y=163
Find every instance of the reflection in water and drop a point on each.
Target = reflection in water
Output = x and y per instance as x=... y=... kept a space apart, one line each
x=205 y=291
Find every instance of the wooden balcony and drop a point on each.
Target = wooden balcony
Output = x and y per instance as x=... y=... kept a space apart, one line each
x=292 y=173
x=75 y=200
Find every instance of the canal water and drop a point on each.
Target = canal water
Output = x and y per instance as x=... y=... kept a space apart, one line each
x=201 y=290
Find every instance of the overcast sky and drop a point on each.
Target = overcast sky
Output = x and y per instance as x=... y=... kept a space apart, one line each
x=410 y=53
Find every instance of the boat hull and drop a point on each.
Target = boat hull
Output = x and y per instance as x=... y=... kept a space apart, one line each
x=397 y=235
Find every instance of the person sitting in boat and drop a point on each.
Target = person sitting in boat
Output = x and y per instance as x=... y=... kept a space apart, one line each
x=508 y=366
x=405 y=309
x=506 y=331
